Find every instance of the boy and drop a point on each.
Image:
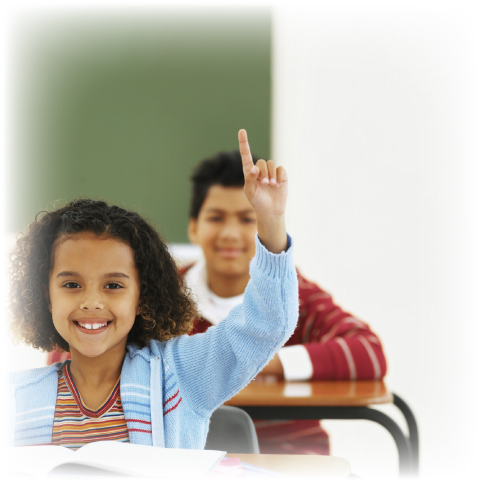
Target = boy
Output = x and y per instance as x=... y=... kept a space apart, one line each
x=328 y=343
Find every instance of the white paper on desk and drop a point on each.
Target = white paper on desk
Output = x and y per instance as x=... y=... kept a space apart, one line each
x=297 y=389
x=116 y=457
x=255 y=472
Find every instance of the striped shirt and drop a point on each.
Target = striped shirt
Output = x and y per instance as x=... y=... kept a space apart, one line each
x=76 y=425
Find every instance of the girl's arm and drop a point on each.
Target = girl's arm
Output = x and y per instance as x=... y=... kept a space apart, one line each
x=212 y=367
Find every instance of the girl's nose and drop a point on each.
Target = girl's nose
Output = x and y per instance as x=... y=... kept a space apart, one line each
x=91 y=305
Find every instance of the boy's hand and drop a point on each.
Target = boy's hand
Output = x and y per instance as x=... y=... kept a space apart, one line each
x=266 y=189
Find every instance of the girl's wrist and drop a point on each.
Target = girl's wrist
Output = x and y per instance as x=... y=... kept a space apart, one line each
x=272 y=233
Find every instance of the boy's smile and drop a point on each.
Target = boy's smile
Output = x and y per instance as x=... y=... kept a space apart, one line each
x=225 y=229
x=94 y=293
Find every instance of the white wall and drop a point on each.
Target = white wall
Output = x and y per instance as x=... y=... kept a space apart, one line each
x=376 y=114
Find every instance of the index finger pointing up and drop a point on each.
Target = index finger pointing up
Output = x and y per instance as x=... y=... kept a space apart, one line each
x=245 y=152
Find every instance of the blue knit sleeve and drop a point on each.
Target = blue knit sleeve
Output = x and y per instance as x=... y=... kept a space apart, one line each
x=213 y=366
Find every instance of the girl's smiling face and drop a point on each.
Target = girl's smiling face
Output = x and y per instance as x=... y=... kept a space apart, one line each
x=94 y=292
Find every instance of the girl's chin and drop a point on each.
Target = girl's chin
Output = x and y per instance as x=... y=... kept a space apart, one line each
x=90 y=353
x=86 y=350
x=97 y=351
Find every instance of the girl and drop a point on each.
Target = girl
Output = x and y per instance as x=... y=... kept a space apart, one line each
x=97 y=280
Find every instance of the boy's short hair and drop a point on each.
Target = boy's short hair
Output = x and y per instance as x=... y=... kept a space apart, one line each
x=166 y=309
x=224 y=169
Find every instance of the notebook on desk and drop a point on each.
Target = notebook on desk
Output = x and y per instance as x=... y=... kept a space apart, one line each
x=111 y=457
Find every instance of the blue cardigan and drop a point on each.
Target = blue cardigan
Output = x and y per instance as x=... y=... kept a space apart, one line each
x=170 y=389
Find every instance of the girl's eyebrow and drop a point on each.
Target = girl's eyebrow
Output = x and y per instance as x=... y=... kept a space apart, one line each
x=76 y=274
x=117 y=274
x=68 y=274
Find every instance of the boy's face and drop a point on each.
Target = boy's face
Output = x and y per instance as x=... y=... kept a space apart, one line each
x=225 y=229
x=94 y=292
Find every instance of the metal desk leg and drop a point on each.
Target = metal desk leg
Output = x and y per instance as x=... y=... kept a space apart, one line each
x=412 y=427
x=406 y=460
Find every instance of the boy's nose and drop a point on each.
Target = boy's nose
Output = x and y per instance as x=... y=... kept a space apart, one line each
x=230 y=230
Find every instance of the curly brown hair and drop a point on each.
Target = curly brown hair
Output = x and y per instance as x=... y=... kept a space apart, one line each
x=166 y=309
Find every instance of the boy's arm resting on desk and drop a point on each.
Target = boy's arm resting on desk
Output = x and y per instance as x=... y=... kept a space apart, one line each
x=215 y=365
x=329 y=343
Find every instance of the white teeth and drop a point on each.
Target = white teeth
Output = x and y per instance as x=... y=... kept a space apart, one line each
x=92 y=326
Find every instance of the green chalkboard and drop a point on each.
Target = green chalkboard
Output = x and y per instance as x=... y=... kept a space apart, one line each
x=122 y=106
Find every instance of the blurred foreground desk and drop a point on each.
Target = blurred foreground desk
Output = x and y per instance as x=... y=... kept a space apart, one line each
x=267 y=398
x=300 y=466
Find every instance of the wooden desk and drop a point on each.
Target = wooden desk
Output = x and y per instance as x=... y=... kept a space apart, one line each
x=300 y=466
x=268 y=398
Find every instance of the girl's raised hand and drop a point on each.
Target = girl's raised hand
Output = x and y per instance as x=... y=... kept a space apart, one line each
x=265 y=184
x=266 y=189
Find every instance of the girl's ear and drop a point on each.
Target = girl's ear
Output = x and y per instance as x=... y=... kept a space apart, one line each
x=192 y=230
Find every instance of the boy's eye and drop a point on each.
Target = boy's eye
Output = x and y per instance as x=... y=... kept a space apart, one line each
x=71 y=285
x=113 y=285
x=248 y=220
x=216 y=218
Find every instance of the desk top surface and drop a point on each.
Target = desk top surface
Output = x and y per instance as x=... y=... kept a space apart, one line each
x=272 y=392
x=300 y=466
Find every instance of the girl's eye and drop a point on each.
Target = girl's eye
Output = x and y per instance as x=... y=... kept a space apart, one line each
x=248 y=220
x=71 y=285
x=113 y=285
x=214 y=219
